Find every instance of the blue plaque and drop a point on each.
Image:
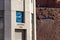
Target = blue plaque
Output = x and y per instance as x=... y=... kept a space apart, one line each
x=19 y=16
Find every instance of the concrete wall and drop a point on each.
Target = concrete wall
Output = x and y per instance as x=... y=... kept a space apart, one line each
x=7 y=19
x=1 y=4
x=27 y=25
x=10 y=7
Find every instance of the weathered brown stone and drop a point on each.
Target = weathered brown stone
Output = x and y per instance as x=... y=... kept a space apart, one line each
x=48 y=29
x=47 y=3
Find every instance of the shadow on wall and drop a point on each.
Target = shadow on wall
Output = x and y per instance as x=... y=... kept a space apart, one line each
x=48 y=3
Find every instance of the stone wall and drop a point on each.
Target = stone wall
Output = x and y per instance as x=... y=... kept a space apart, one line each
x=48 y=23
x=48 y=3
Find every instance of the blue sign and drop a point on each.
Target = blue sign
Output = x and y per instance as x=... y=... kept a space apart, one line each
x=19 y=16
